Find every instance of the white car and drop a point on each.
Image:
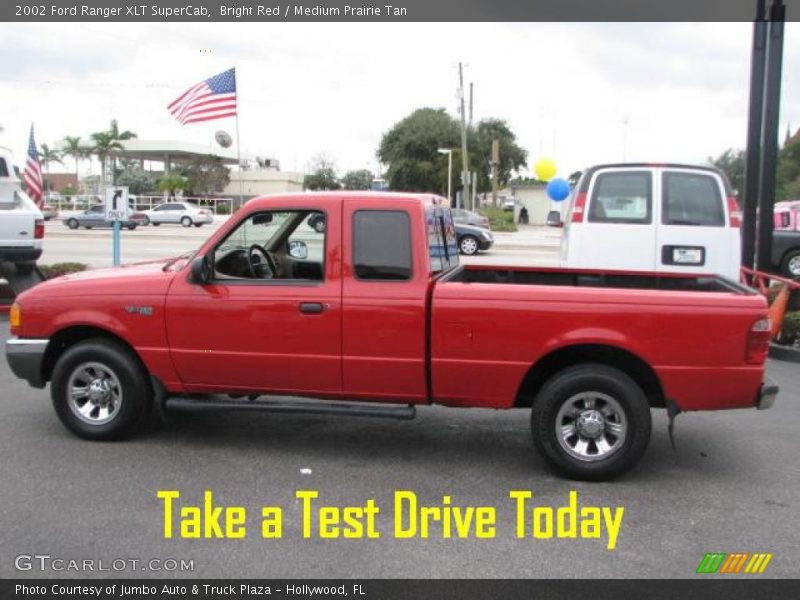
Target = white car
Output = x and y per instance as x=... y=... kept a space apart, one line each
x=184 y=213
x=658 y=218
x=21 y=222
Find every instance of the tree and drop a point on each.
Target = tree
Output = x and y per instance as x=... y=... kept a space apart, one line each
x=410 y=148
x=172 y=183
x=788 y=171
x=103 y=144
x=357 y=180
x=48 y=155
x=135 y=177
x=322 y=176
x=205 y=175
x=731 y=162
x=512 y=156
x=73 y=148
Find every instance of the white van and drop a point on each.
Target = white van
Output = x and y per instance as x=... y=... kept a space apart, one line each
x=654 y=218
x=21 y=221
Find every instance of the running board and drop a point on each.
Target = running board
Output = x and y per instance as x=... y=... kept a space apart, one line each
x=309 y=407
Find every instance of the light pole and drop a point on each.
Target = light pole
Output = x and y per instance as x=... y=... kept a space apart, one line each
x=449 y=152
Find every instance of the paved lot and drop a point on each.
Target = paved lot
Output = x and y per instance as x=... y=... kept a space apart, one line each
x=731 y=485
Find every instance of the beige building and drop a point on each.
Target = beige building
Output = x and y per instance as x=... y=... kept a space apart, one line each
x=263 y=181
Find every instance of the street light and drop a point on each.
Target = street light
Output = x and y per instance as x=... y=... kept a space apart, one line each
x=449 y=152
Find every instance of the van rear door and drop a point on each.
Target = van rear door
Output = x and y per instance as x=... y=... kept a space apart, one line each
x=695 y=230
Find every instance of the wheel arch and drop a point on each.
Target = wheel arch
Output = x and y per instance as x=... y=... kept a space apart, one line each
x=609 y=355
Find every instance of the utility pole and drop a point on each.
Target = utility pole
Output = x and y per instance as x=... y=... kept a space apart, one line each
x=470 y=104
x=465 y=163
x=495 y=162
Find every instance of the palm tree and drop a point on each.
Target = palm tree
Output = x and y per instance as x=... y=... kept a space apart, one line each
x=73 y=148
x=117 y=135
x=103 y=146
x=48 y=155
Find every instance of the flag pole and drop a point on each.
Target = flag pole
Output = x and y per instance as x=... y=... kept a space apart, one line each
x=238 y=150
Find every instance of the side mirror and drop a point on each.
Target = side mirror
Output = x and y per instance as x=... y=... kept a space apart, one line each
x=554 y=219
x=298 y=249
x=202 y=270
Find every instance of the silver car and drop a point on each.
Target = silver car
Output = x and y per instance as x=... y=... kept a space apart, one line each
x=184 y=213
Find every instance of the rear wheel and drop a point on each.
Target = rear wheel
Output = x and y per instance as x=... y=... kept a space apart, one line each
x=155 y=224
x=132 y=226
x=198 y=224
x=468 y=245
x=146 y=221
x=186 y=222
x=100 y=390
x=591 y=422
x=72 y=223
x=790 y=265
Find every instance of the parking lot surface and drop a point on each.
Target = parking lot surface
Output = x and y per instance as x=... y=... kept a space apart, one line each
x=731 y=485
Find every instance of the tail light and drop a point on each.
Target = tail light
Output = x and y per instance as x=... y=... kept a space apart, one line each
x=758 y=342
x=38 y=229
x=577 y=208
x=735 y=213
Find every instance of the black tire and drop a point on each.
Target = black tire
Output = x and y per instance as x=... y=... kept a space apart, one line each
x=198 y=224
x=468 y=245
x=156 y=224
x=789 y=262
x=186 y=221
x=25 y=268
x=132 y=226
x=136 y=393
x=562 y=389
x=72 y=223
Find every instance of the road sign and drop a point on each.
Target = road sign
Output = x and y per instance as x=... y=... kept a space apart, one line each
x=116 y=206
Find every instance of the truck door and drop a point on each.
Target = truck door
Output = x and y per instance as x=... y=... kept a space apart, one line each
x=270 y=320
x=694 y=232
x=618 y=231
x=384 y=301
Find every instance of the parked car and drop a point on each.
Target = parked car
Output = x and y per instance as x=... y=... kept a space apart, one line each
x=49 y=212
x=386 y=313
x=21 y=222
x=469 y=217
x=473 y=239
x=665 y=218
x=185 y=213
x=96 y=217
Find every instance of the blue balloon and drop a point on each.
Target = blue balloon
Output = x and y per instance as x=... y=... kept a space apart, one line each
x=558 y=189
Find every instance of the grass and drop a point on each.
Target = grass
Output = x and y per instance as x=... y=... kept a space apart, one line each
x=499 y=219
x=58 y=269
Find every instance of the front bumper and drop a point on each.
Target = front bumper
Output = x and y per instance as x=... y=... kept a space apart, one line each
x=25 y=358
x=484 y=244
x=767 y=394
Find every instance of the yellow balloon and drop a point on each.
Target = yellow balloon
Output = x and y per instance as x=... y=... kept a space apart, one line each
x=545 y=169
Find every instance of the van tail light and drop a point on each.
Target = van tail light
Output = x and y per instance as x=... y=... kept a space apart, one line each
x=38 y=229
x=758 y=342
x=734 y=212
x=577 y=208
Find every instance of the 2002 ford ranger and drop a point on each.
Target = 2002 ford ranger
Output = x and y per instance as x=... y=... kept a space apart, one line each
x=374 y=308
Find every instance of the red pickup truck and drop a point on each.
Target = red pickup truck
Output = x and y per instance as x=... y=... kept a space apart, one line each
x=371 y=314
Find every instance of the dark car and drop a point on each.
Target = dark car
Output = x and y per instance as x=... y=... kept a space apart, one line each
x=96 y=217
x=473 y=239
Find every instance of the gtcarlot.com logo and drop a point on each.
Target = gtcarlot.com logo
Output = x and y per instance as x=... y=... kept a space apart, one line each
x=736 y=562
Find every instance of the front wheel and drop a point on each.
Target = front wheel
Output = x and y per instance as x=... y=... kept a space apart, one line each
x=591 y=422
x=132 y=226
x=468 y=245
x=100 y=390
x=790 y=265
x=72 y=223
x=186 y=222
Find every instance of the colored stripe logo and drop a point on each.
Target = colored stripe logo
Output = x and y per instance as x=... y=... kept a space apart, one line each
x=734 y=563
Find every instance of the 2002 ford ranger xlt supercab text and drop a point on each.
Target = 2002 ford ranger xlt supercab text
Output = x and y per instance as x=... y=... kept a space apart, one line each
x=375 y=310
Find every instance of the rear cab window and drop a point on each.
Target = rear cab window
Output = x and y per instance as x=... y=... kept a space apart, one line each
x=624 y=197
x=442 y=241
x=382 y=245
x=691 y=199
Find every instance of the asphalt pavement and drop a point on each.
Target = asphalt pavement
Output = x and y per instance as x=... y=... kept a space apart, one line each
x=731 y=485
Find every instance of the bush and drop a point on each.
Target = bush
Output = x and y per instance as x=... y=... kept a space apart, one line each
x=223 y=208
x=790 y=331
x=58 y=269
x=499 y=219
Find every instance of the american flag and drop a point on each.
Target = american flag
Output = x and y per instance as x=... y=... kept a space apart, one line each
x=32 y=175
x=214 y=98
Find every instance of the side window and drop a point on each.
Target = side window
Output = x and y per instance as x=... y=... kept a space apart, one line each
x=622 y=197
x=161 y=208
x=307 y=241
x=3 y=168
x=692 y=199
x=382 y=245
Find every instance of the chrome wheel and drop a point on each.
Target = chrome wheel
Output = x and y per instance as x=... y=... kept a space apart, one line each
x=93 y=393
x=591 y=426
x=794 y=266
x=469 y=245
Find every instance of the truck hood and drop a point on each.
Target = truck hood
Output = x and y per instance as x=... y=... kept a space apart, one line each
x=137 y=279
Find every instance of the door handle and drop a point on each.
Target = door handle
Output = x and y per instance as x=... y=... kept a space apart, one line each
x=312 y=308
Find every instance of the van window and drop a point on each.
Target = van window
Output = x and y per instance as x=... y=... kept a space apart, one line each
x=622 y=197
x=3 y=168
x=382 y=245
x=692 y=199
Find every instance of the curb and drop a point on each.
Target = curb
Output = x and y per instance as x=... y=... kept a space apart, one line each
x=785 y=353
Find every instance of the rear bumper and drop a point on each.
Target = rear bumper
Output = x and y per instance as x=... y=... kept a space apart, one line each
x=25 y=358
x=20 y=254
x=767 y=394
